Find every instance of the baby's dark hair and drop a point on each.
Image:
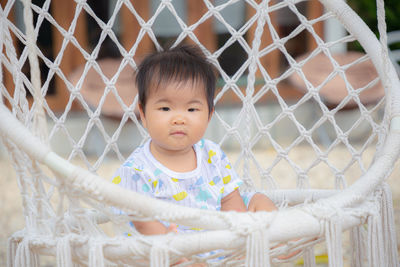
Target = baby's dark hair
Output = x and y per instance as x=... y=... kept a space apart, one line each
x=184 y=63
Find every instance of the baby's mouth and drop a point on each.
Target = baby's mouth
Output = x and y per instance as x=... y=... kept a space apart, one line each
x=178 y=133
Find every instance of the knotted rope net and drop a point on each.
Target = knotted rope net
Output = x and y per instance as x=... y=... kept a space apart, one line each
x=68 y=209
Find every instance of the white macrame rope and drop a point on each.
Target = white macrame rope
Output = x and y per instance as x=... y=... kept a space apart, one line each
x=63 y=253
x=14 y=128
x=333 y=235
x=253 y=58
x=256 y=254
x=71 y=232
x=25 y=256
x=309 y=258
x=375 y=250
x=18 y=100
x=358 y=246
x=159 y=256
x=96 y=256
x=388 y=224
x=39 y=118
x=12 y=245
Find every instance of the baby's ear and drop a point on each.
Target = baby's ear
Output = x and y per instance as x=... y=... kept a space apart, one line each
x=141 y=114
x=211 y=114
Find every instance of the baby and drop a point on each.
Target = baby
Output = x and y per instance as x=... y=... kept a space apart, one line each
x=176 y=92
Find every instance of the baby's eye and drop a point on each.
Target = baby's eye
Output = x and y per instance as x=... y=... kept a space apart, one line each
x=164 y=109
x=192 y=109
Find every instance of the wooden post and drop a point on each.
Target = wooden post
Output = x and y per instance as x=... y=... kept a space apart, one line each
x=131 y=27
x=314 y=10
x=204 y=32
x=63 y=12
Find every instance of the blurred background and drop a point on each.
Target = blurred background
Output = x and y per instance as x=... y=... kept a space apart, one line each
x=93 y=119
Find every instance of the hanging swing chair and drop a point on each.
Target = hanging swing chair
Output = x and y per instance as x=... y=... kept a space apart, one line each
x=67 y=206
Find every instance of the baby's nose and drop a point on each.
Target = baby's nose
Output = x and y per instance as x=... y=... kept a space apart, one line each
x=179 y=120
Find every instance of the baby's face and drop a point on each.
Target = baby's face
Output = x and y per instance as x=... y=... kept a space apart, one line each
x=176 y=116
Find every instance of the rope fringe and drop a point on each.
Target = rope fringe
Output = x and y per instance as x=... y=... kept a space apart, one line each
x=375 y=244
x=63 y=253
x=333 y=235
x=257 y=249
x=159 y=256
x=309 y=258
x=389 y=229
x=11 y=251
x=96 y=256
x=39 y=118
x=24 y=256
x=357 y=240
x=376 y=255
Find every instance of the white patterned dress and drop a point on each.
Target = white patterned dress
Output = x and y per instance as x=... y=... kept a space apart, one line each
x=213 y=179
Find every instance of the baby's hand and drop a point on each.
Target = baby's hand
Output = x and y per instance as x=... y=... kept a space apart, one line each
x=289 y=255
x=191 y=265
x=172 y=228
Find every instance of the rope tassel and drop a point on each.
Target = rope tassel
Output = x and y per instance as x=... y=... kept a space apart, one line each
x=96 y=255
x=64 y=257
x=333 y=235
x=24 y=256
x=358 y=246
x=309 y=258
x=257 y=251
x=159 y=256
x=376 y=255
x=389 y=231
x=11 y=251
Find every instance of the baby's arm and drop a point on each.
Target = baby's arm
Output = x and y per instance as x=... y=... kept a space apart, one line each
x=153 y=228
x=260 y=202
x=233 y=201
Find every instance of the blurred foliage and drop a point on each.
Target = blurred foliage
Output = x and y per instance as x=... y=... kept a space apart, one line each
x=366 y=9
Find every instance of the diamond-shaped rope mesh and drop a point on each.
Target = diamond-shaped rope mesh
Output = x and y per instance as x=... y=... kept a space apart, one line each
x=250 y=87
x=291 y=95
